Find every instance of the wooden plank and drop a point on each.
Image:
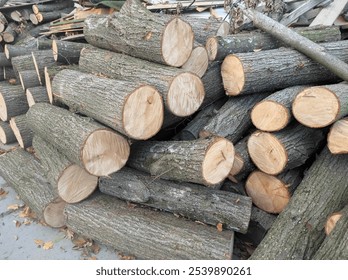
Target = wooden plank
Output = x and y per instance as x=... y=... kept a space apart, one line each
x=185 y=4
x=329 y=14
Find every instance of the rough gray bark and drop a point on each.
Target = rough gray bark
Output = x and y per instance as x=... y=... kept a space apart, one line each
x=42 y=59
x=158 y=235
x=193 y=201
x=4 y=61
x=49 y=7
x=6 y=134
x=67 y=52
x=9 y=74
x=28 y=79
x=12 y=51
x=15 y=102
x=22 y=131
x=22 y=63
x=299 y=230
x=36 y=95
x=3 y=21
x=53 y=15
x=10 y=33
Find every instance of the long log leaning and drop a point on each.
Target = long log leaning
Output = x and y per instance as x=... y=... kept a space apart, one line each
x=247 y=73
x=87 y=143
x=67 y=52
x=22 y=131
x=25 y=174
x=201 y=161
x=277 y=152
x=133 y=109
x=72 y=182
x=12 y=101
x=299 y=230
x=321 y=106
x=28 y=79
x=337 y=139
x=36 y=95
x=159 y=235
x=189 y=200
x=6 y=134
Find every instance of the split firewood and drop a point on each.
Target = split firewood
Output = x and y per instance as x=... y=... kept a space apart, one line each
x=271 y=70
x=28 y=79
x=36 y=95
x=72 y=182
x=201 y=161
x=274 y=112
x=337 y=139
x=87 y=143
x=12 y=101
x=67 y=52
x=277 y=152
x=298 y=231
x=159 y=235
x=25 y=174
x=6 y=133
x=321 y=106
x=22 y=131
x=189 y=200
x=198 y=61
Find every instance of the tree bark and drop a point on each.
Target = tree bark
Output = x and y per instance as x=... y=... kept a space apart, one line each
x=22 y=131
x=53 y=15
x=132 y=109
x=12 y=101
x=198 y=61
x=202 y=161
x=277 y=152
x=28 y=79
x=9 y=73
x=193 y=201
x=90 y=145
x=50 y=7
x=271 y=70
x=183 y=92
x=10 y=33
x=25 y=174
x=159 y=235
x=42 y=59
x=6 y=134
x=219 y=47
x=22 y=63
x=4 y=62
x=233 y=118
x=318 y=107
x=36 y=95
x=72 y=182
x=337 y=140
x=67 y=52
x=274 y=112
x=3 y=22
x=12 y=51
x=299 y=230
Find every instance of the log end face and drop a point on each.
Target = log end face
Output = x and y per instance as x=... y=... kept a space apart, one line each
x=2 y=136
x=331 y=222
x=212 y=48
x=232 y=72
x=337 y=140
x=224 y=29
x=316 y=107
x=143 y=113
x=270 y=116
x=17 y=132
x=75 y=184
x=177 y=42
x=7 y=52
x=237 y=166
x=3 y=109
x=267 y=152
x=34 y=19
x=104 y=152
x=267 y=192
x=198 y=62
x=185 y=95
x=218 y=161
x=30 y=98
x=54 y=213
x=55 y=50
x=48 y=85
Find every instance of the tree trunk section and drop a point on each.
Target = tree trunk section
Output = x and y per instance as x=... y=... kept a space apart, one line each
x=6 y=134
x=12 y=51
x=50 y=7
x=202 y=161
x=28 y=79
x=36 y=95
x=90 y=145
x=3 y=22
x=267 y=71
x=337 y=140
x=159 y=235
x=43 y=17
x=12 y=101
x=10 y=33
x=25 y=174
x=4 y=61
x=22 y=63
x=198 y=61
x=22 y=131
x=42 y=59
x=67 y=52
x=133 y=109
x=299 y=230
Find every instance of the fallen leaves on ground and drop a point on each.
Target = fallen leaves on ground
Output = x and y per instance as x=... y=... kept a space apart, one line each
x=3 y=193
x=27 y=213
x=219 y=227
x=48 y=245
x=13 y=207
x=125 y=257
x=17 y=223
x=93 y=258
x=39 y=242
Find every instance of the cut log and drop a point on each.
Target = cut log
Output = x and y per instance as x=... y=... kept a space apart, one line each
x=337 y=139
x=22 y=63
x=159 y=235
x=67 y=52
x=20 y=15
x=233 y=119
x=10 y=33
x=277 y=152
x=133 y=109
x=198 y=61
x=41 y=60
x=4 y=62
x=153 y=38
x=220 y=47
x=274 y=112
x=2 y=74
x=272 y=193
x=33 y=18
x=189 y=200
x=271 y=70
x=36 y=95
x=321 y=106
x=49 y=7
x=28 y=79
x=202 y=161
x=72 y=182
x=22 y=131
x=43 y=17
x=92 y=146
x=298 y=231
x=6 y=133
x=44 y=44
x=9 y=73
x=17 y=50
x=25 y=174
x=12 y=101
x=3 y=22
x=183 y=92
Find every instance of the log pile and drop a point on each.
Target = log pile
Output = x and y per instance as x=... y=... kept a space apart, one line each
x=186 y=150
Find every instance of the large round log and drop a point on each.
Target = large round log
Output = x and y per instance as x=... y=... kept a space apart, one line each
x=22 y=131
x=28 y=79
x=4 y=61
x=72 y=182
x=6 y=134
x=25 y=174
x=193 y=201
x=12 y=101
x=254 y=72
x=183 y=92
x=321 y=106
x=22 y=63
x=201 y=161
x=12 y=51
x=276 y=152
x=92 y=146
x=67 y=52
x=133 y=109
x=158 y=235
x=298 y=231
x=10 y=33
x=337 y=139
x=36 y=95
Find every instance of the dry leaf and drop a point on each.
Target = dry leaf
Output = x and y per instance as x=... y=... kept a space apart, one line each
x=3 y=192
x=39 y=242
x=13 y=207
x=219 y=227
x=131 y=205
x=201 y=223
x=148 y=36
x=69 y=234
x=95 y=249
x=125 y=257
x=79 y=242
x=91 y=258
x=48 y=245
x=17 y=223
x=27 y=222
x=27 y=213
x=12 y=81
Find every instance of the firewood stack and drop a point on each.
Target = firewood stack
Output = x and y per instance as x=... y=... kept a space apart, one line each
x=154 y=125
